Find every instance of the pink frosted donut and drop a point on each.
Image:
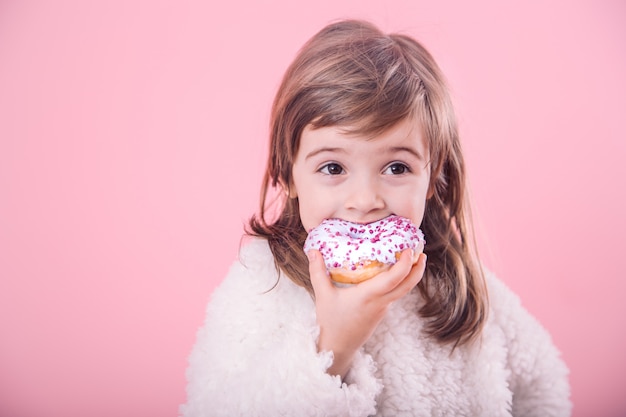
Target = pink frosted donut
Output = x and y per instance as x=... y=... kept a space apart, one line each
x=355 y=252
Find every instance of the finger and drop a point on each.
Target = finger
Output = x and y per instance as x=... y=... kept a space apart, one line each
x=413 y=278
x=386 y=281
x=318 y=272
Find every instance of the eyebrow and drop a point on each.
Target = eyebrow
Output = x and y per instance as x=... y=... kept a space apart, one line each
x=392 y=149
x=324 y=149
x=412 y=151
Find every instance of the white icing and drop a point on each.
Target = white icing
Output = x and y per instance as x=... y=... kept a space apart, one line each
x=350 y=245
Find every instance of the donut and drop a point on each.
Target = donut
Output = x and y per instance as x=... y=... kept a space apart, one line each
x=355 y=252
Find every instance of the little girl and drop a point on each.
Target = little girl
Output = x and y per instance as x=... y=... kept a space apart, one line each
x=362 y=128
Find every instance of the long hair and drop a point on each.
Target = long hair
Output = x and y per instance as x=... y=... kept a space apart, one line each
x=352 y=74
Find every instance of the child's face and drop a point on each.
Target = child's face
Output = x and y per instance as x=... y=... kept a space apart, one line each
x=358 y=179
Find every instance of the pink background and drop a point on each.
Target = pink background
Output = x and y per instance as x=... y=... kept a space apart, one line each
x=132 y=142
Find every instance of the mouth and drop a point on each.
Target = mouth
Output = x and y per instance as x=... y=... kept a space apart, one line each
x=363 y=223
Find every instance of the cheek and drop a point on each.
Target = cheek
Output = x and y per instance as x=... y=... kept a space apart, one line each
x=315 y=205
x=414 y=208
x=309 y=211
x=417 y=213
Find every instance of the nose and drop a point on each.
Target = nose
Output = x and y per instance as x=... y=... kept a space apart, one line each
x=364 y=196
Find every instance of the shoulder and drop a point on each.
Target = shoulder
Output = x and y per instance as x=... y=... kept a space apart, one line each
x=255 y=252
x=255 y=257
x=254 y=286
x=253 y=305
x=256 y=353
x=525 y=337
x=252 y=271
x=502 y=300
x=538 y=374
x=507 y=309
x=507 y=312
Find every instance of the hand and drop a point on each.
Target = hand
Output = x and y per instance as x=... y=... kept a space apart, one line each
x=348 y=316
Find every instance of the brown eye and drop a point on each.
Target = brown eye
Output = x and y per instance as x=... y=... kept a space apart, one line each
x=332 y=169
x=397 y=169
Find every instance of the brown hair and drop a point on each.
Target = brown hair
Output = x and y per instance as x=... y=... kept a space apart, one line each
x=351 y=74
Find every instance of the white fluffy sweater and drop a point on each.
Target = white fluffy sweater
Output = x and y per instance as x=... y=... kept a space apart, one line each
x=256 y=356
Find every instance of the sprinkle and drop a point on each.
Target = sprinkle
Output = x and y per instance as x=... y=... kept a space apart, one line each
x=350 y=244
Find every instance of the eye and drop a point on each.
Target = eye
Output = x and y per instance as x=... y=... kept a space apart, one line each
x=331 y=169
x=397 y=168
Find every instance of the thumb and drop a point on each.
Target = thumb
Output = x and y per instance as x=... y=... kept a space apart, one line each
x=318 y=273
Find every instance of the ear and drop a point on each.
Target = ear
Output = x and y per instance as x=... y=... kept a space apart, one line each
x=431 y=187
x=431 y=191
x=289 y=189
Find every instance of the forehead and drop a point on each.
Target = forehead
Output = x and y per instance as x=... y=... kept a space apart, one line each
x=406 y=133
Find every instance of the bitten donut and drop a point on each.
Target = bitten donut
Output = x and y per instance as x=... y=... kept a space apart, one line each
x=355 y=252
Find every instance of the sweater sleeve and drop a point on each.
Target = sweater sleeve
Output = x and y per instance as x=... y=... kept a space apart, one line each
x=256 y=354
x=538 y=375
